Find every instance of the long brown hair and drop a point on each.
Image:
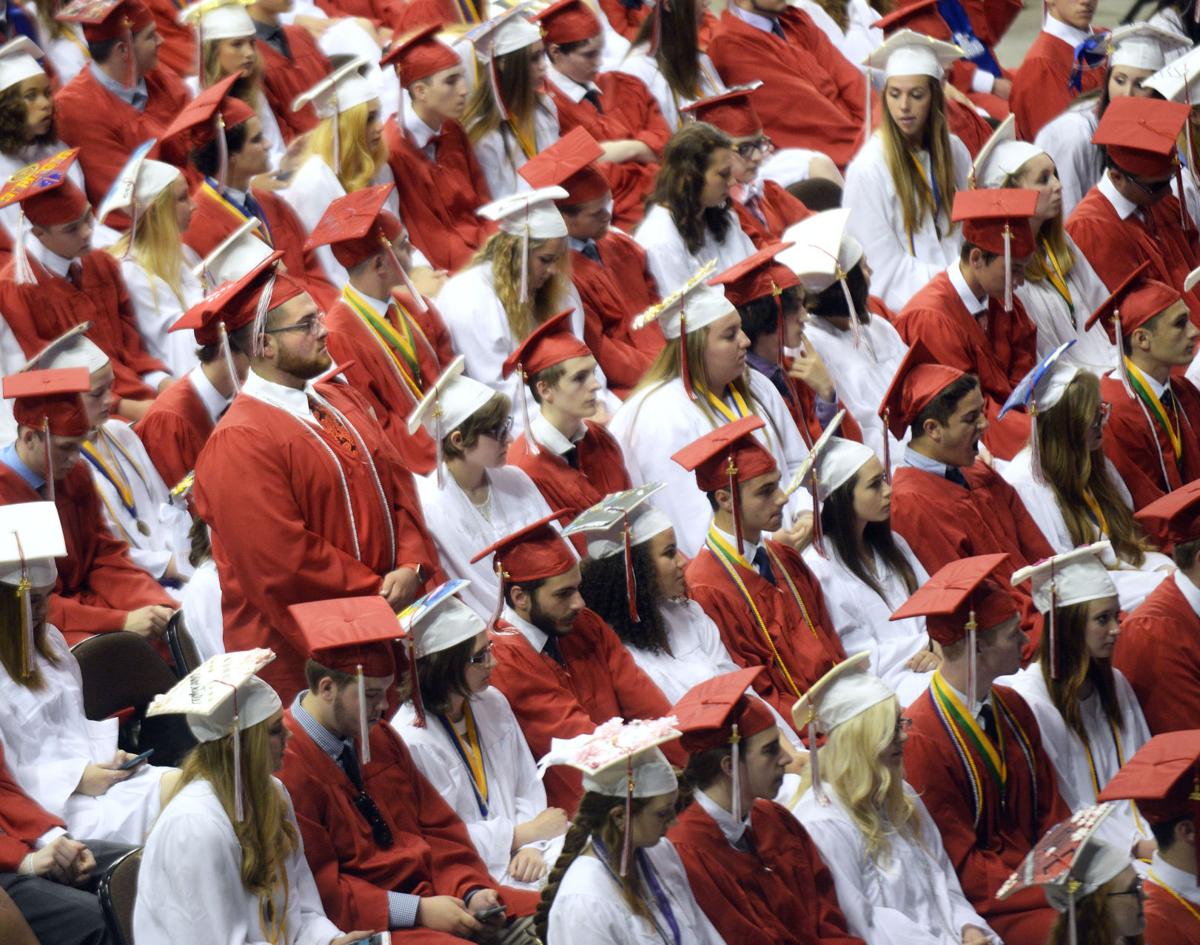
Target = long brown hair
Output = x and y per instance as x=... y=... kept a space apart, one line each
x=10 y=642
x=678 y=53
x=1077 y=667
x=521 y=96
x=1072 y=472
x=680 y=181
x=1092 y=923
x=502 y=252
x=916 y=199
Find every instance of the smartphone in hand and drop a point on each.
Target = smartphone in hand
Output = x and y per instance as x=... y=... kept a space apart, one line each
x=135 y=760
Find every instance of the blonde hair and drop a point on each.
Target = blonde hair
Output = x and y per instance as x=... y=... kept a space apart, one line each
x=158 y=244
x=358 y=164
x=872 y=793
x=10 y=642
x=916 y=199
x=502 y=252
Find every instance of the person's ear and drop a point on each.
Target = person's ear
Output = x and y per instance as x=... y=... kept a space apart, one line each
x=724 y=499
x=456 y=440
x=933 y=430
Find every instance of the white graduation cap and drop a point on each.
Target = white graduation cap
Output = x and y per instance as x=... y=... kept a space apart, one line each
x=19 y=61
x=1178 y=80
x=808 y=467
x=439 y=620
x=448 y=403
x=234 y=256
x=1143 y=46
x=531 y=215
x=1002 y=156
x=218 y=19
x=1191 y=280
x=504 y=33
x=72 y=349
x=908 y=52
x=838 y=462
x=31 y=537
x=137 y=185
x=343 y=89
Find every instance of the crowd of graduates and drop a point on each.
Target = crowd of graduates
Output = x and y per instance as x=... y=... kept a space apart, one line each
x=600 y=473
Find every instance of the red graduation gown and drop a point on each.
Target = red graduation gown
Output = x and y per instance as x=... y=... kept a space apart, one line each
x=178 y=49
x=1040 y=86
x=1168 y=921
x=1159 y=653
x=809 y=647
x=971 y=128
x=289 y=536
x=383 y=14
x=97 y=584
x=438 y=199
x=781 y=893
x=284 y=79
x=986 y=852
x=22 y=820
x=215 y=219
x=106 y=129
x=40 y=313
x=1116 y=247
x=600 y=681
x=778 y=209
x=174 y=430
x=630 y=111
x=1141 y=449
x=1000 y=356
x=614 y=292
x=601 y=470
x=989 y=518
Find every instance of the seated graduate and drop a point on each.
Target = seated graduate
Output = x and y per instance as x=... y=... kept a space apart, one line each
x=465 y=739
x=560 y=666
x=1091 y=883
x=292 y=61
x=99 y=589
x=473 y=496
x=69 y=765
x=894 y=881
x=690 y=219
x=866 y=571
x=225 y=861
x=1088 y=715
x=759 y=592
x=1159 y=647
x=974 y=753
x=619 y=880
x=386 y=849
x=1160 y=779
x=753 y=868
x=1072 y=491
x=1177 y=82
x=699 y=383
x=508 y=117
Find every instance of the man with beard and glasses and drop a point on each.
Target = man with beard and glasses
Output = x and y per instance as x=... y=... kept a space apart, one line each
x=562 y=668
x=305 y=498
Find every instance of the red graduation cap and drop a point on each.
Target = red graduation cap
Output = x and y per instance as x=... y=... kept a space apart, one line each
x=49 y=400
x=729 y=111
x=1140 y=134
x=419 y=54
x=708 y=712
x=757 y=276
x=568 y=21
x=107 y=19
x=356 y=226
x=957 y=595
x=231 y=305
x=916 y=384
x=1175 y=517
x=199 y=118
x=532 y=553
x=988 y=215
x=1134 y=302
x=48 y=197
x=551 y=343
x=569 y=163
x=920 y=17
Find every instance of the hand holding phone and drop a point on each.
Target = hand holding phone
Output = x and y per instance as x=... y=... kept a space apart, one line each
x=484 y=914
x=135 y=760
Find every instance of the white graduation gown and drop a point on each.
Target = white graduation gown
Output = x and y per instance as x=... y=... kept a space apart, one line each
x=862 y=374
x=157 y=308
x=1073 y=762
x=859 y=39
x=1068 y=141
x=912 y=899
x=657 y=421
x=668 y=258
x=48 y=741
x=190 y=888
x=515 y=792
x=898 y=271
x=500 y=156
x=589 y=908
x=643 y=66
x=1056 y=324
x=460 y=529
x=201 y=604
x=1133 y=584
x=697 y=652
x=860 y=617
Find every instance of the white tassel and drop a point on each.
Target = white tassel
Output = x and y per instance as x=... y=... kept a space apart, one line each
x=971 y=679
x=736 y=757
x=1034 y=447
x=239 y=803
x=22 y=271
x=222 y=153
x=1072 y=932
x=227 y=354
x=855 y=325
x=529 y=437
x=364 y=743
x=525 y=263
x=260 y=315
x=438 y=433
x=1008 y=277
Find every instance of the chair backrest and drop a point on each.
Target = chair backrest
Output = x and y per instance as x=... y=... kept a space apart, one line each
x=118 y=892
x=183 y=647
x=14 y=930
x=120 y=671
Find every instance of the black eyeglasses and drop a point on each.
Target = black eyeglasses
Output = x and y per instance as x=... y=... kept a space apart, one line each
x=1151 y=188
x=760 y=145
x=1134 y=890
x=380 y=831
x=478 y=659
x=501 y=431
x=310 y=324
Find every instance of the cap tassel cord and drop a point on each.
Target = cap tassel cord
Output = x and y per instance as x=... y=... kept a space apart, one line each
x=735 y=756
x=260 y=315
x=22 y=271
x=685 y=372
x=239 y=800
x=1035 y=449
x=971 y=679
x=656 y=27
x=438 y=433
x=731 y=470
x=227 y=354
x=627 y=841
x=23 y=588
x=887 y=445
x=818 y=533
x=418 y=703
x=1072 y=932
x=814 y=764
x=494 y=81
x=337 y=139
x=134 y=219
x=499 y=608
x=525 y=261
x=777 y=295
x=630 y=578
x=1052 y=629
x=364 y=744
x=1121 y=370
x=49 y=459
x=1185 y=221
x=530 y=440
x=1008 y=276
x=222 y=152
x=856 y=328
x=418 y=299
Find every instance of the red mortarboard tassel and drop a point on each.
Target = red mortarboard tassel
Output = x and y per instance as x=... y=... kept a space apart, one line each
x=887 y=445
x=630 y=579
x=731 y=470
x=410 y=649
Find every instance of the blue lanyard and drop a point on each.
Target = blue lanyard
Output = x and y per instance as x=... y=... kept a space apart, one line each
x=656 y=889
x=483 y=807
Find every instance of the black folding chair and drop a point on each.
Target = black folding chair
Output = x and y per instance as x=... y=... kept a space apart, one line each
x=118 y=892
x=183 y=648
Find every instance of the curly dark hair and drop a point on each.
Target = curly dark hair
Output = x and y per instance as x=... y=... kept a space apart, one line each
x=603 y=590
x=13 y=123
x=680 y=182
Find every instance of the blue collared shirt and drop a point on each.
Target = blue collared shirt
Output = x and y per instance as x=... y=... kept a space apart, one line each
x=825 y=410
x=136 y=96
x=9 y=457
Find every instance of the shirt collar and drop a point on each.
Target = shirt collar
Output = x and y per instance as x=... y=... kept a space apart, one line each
x=379 y=305
x=973 y=303
x=749 y=548
x=757 y=20
x=54 y=263
x=924 y=463
x=325 y=739
x=732 y=828
x=415 y=125
x=962 y=697
x=287 y=399
x=537 y=638
x=756 y=361
x=549 y=436
x=135 y=96
x=579 y=245
x=1181 y=881
x=1068 y=34
x=1190 y=592
x=9 y=457
x=569 y=87
x=213 y=400
x=1125 y=209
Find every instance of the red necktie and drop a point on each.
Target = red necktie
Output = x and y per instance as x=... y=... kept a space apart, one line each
x=334 y=427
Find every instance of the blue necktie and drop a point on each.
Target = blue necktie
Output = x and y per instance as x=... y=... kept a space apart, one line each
x=762 y=564
x=592 y=252
x=1090 y=54
x=954 y=474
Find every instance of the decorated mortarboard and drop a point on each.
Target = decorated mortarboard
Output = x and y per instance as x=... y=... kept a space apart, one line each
x=72 y=349
x=845 y=691
x=531 y=215
x=1173 y=518
x=620 y=759
x=615 y=519
x=907 y=52
x=47 y=197
x=1039 y=390
x=218 y=19
x=19 y=60
x=31 y=537
x=807 y=473
x=223 y=696
x=1143 y=45
x=1073 y=577
x=210 y=115
x=532 y=553
x=959 y=600
x=50 y=402
x=419 y=54
x=569 y=163
x=568 y=21
x=434 y=623
x=136 y=186
x=731 y=111
x=1069 y=862
x=551 y=343
x=504 y=33
x=447 y=404
x=1140 y=134
x=1178 y=80
x=916 y=384
x=237 y=254
x=1002 y=156
x=997 y=221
